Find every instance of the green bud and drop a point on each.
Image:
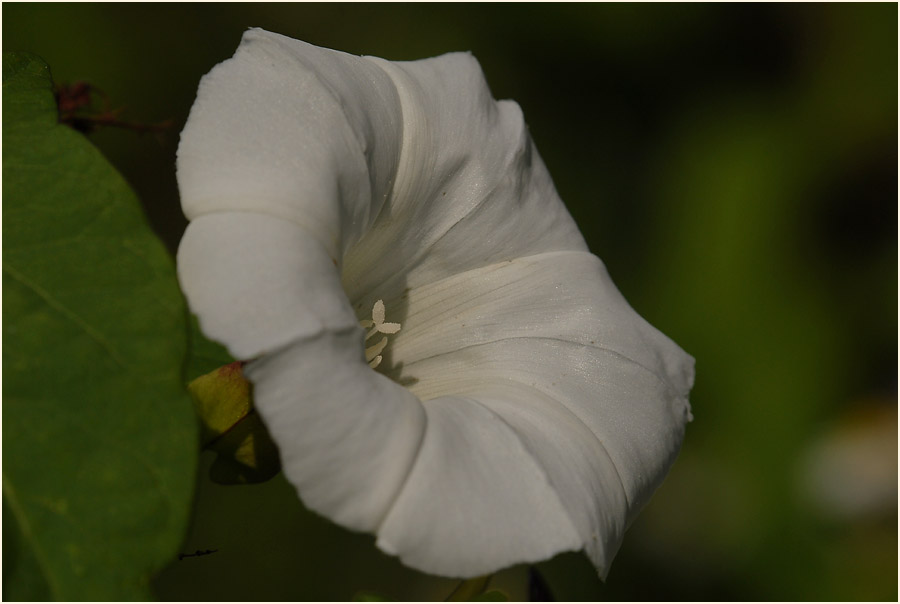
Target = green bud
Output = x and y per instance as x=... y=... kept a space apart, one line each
x=232 y=428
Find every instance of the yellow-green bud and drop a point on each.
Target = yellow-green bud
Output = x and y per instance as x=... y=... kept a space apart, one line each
x=232 y=428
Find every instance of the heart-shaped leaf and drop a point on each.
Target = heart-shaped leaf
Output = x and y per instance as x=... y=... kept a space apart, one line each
x=99 y=438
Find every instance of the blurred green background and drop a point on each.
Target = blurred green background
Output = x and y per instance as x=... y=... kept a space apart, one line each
x=736 y=168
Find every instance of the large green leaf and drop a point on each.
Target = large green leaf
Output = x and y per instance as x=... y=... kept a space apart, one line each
x=99 y=438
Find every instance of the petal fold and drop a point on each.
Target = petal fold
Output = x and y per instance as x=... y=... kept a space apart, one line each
x=475 y=500
x=471 y=188
x=637 y=417
x=575 y=461
x=288 y=129
x=347 y=435
x=258 y=282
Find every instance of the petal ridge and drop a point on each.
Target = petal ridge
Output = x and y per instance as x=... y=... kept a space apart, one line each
x=665 y=382
x=504 y=290
x=600 y=552
x=516 y=519
x=448 y=175
x=624 y=405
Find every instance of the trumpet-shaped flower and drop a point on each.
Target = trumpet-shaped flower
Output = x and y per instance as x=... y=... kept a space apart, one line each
x=439 y=358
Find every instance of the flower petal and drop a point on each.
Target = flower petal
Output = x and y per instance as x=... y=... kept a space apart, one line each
x=636 y=416
x=291 y=130
x=475 y=500
x=566 y=296
x=577 y=465
x=354 y=148
x=257 y=282
x=470 y=181
x=347 y=435
x=548 y=341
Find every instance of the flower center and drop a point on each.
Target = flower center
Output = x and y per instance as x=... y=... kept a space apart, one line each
x=376 y=325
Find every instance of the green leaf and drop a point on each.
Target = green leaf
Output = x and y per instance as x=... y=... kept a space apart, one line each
x=99 y=437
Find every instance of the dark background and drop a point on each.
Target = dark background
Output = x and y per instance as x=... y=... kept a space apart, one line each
x=735 y=166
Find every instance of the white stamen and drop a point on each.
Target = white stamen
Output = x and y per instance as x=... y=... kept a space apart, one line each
x=389 y=328
x=374 y=351
x=378 y=312
x=377 y=325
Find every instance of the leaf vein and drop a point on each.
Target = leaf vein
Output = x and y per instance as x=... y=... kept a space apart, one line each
x=13 y=500
x=61 y=308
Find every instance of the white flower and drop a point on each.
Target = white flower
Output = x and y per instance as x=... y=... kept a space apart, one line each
x=520 y=408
